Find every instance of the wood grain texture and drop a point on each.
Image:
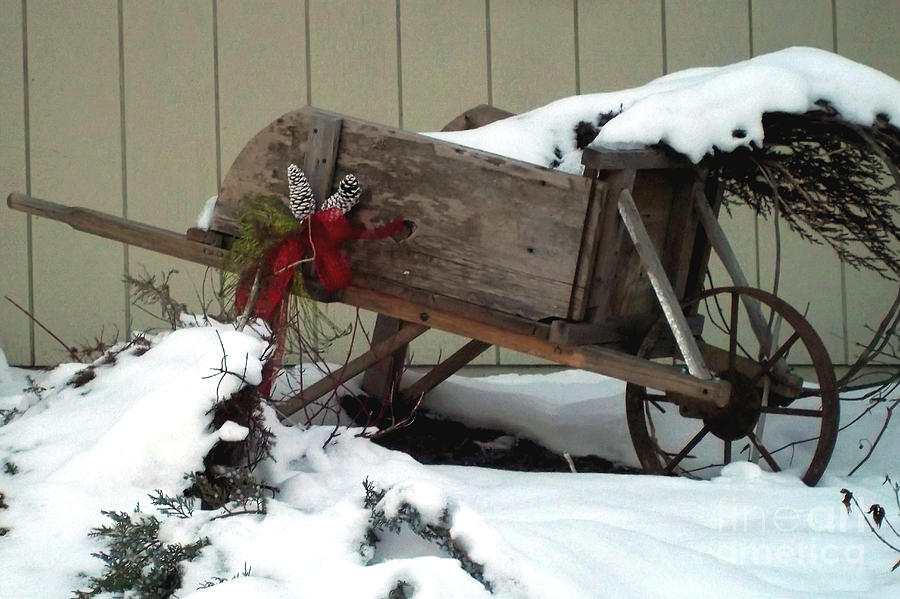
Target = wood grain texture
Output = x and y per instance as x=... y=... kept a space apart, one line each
x=14 y=327
x=488 y=230
x=510 y=332
x=597 y=359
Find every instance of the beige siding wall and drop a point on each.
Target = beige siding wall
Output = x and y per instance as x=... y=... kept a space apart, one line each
x=138 y=108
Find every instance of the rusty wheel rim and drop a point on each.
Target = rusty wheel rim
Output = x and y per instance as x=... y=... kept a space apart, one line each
x=813 y=416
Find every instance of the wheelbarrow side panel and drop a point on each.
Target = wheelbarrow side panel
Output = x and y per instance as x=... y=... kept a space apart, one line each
x=489 y=231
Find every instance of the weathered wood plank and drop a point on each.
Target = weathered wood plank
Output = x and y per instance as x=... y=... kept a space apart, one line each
x=321 y=158
x=648 y=158
x=441 y=372
x=597 y=359
x=120 y=229
x=503 y=330
x=488 y=229
x=382 y=379
x=378 y=352
x=590 y=246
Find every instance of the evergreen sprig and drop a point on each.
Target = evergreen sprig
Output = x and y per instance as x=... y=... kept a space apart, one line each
x=137 y=561
x=437 y=532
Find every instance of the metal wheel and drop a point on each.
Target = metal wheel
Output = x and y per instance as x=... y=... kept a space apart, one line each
x=773 y=416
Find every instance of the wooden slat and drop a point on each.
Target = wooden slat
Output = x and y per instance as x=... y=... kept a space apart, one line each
x=382 y=379
x=597 y=359
x=442 y=371
x=119 y=229
x=648 y=158
x=612 y=247
x=590 y=246
x=665 y=294
x=321 y=155
x=378 y=352
x=489 y=230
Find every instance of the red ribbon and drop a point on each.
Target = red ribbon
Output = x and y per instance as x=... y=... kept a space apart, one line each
x=323 y=234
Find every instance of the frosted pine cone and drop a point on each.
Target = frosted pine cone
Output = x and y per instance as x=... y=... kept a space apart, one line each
x=302 y=202
x=346 y=196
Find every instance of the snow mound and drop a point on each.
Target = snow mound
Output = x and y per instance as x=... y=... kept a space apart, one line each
x=696 y=112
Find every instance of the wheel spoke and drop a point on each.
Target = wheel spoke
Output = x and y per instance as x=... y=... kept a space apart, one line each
x=732 y=333
x=769 y=363
x=764 y=452
x=727 y=452
x=685 y=450
x=792 y=411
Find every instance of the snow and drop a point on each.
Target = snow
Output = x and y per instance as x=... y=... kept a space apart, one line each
x=76 y=444
x=206 y=214
x=142 y=422
x=697 y=111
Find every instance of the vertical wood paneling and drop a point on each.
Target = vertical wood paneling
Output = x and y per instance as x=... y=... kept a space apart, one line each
x=778 y=24
x=170 y=128
x=75 y=159
x=353 y=63
x=262 y=67
x=706 y=33
x=711 y=33
x=14 y=328
x=532 y=52
x=443 y=75
x=620 y=43
x=867 y=31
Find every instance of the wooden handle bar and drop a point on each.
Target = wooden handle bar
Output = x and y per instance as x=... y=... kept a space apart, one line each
x=120 y=229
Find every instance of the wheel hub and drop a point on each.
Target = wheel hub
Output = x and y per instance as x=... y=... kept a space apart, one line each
x=741 y=414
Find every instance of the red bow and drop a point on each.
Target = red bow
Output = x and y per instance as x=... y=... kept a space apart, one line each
x=323 y=234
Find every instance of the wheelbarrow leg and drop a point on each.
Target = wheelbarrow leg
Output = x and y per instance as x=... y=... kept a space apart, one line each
x=382 y=379
x=378 y=352
x=661 y=285
x=409 y=397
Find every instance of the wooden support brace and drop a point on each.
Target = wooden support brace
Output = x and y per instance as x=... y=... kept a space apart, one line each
x=443 y=371
x=382 y=379
x=719 y=242
x=681 y=330
x=321 y=154
x=378 y=352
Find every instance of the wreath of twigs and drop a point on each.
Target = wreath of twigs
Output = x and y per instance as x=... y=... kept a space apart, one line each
x=834 y=183
x=827 y=178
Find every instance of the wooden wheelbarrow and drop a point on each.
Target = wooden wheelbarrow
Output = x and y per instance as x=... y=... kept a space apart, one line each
x=602 y=272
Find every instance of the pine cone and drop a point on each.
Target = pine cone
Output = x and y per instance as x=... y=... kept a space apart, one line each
x=346 y=196
x=302 y=202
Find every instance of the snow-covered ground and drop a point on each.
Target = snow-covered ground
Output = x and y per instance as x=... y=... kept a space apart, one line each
x=141 y=423
x=73 y=445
